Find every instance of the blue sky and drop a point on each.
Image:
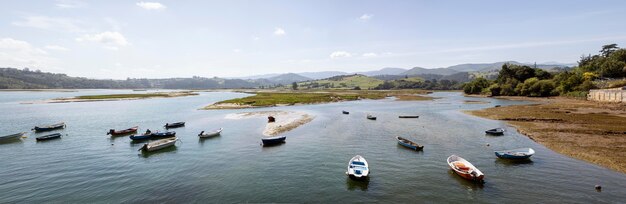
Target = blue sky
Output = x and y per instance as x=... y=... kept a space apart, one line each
x=158 y=39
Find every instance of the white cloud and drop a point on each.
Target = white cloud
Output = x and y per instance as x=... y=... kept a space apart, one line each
x=50 y=23
x=151 y=5
x=370 y=54
x=111 y=40
x=366 y=17
x=340 y=54
x=236 y=50
x=279 y=32
x=17 y=53
x=56 y=48
x=69 y=4
x=255 y=38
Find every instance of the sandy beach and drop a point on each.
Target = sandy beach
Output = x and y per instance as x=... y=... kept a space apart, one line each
x=285 y=120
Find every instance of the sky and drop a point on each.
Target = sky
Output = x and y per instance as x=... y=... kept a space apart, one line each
x=233 y=38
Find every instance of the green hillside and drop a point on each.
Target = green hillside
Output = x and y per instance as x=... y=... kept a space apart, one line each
x=342 y=82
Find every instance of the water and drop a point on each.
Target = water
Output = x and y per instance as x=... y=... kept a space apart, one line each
x=87 y=166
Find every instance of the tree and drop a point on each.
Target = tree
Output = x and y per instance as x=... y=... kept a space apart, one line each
x=608 y=49
x=294 y=86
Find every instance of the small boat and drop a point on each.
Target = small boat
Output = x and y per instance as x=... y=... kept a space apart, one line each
x=358 y=167
x=409 y=144
x=497 y=106
x=465 y=169
x=164 y=134
x=495 y=131
x=409 y=116
x=144 y=136
x=273 y=140
x=345 y=112
x=113 y=132
x=49 y=137
x=159 y=144
x=174 y=125
x=521 y=153
x=371 y=117
x=12 y=136
x=211 y=133
x=60 y=125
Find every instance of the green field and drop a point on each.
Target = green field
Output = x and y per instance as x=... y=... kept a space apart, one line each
x=344 y=82
x=128 y=96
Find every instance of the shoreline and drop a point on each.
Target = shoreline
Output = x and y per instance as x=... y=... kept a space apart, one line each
x=113 y=97
x=285 y=120
x=590 y=131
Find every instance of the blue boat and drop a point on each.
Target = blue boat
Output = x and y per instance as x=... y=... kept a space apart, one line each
x=174 y=125
x=409 y=144
x=49 y=137
x=496 y=131
x=273 y=140
x=60 y=125
x=163 y=134
x=522 y=153
x=141 y=137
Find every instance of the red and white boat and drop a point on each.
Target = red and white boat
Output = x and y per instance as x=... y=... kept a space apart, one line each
x=465 y=169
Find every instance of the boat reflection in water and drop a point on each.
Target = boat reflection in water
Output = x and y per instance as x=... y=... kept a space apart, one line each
x=362 y=184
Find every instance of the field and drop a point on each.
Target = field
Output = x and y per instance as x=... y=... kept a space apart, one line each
x=594 y=132
x=346 y=82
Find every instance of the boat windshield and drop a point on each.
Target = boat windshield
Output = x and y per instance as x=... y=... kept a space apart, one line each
x=358 y=163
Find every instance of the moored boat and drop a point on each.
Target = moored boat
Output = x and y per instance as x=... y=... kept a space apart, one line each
x=345 y=112
x=465 y=169
x=174 y=125
x=273 y=140
x=12 y=136
x=141 y=137
x=409 y=144
x=409 y=116
x=521 y=153
x=358 y=168
x=371 y=117
x=210 y=133
x=113 y=132
x=495 y=131
x=60 y=125
x=49 y=137
x=164 y=134
x=159 y=144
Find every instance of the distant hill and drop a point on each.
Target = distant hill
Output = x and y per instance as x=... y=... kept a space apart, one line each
x=11 y=78
x=288 y=78
x=384 y=71
x=321 y=75
x=343 y=81
x=496 y=66
x=420 y=70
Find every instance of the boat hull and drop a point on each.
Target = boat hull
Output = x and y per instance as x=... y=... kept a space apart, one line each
x=415 y=147
x=159 y=144
x=408 y=116
x=273 y=140
x=174 y=125
x=123 y=132
x=470 y=172
x=12 y=137
x=508 y=156
x=49 y=137
x=140 y=137
x=49 y=128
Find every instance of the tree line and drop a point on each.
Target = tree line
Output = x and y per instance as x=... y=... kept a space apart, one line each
x=516 y=80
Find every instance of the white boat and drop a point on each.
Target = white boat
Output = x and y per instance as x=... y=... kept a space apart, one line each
x=159 y=144
x=465 y=169
x=211 y=133
x=13 y=136
x=521 y=153
x=358 y=167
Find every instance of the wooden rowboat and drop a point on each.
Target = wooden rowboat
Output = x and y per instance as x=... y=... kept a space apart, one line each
x=358 y=168
x=465 y=169
x=159 y=144
x=345 y=112
x=409 y=116
x=60 y=125
x=174 y=125
x=409 y=144
x=371 y=117
x=113 y=132
x=49 y=137
x=211 y=133
x=521 y=153
x=12 y=136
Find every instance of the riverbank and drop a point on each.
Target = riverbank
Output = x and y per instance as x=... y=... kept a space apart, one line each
x=290 y=98
x=590 y=131
x=116 y=97
x=285 y=120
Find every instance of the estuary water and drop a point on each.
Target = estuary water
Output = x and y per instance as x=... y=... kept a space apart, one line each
x=87 y=166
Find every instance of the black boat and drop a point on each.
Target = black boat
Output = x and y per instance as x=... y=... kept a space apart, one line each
x=174 y=125
x=345 y=112
x=49 y=137
x=273 y=140
x=409 y=116
x=371 y=117
x=49 y=127
x=495 y=131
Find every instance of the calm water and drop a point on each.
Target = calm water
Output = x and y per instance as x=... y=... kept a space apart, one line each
x=87 y=166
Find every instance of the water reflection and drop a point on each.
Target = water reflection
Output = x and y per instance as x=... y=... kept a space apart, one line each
x=146 y=154
x=513 y=162
x=362 y=185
